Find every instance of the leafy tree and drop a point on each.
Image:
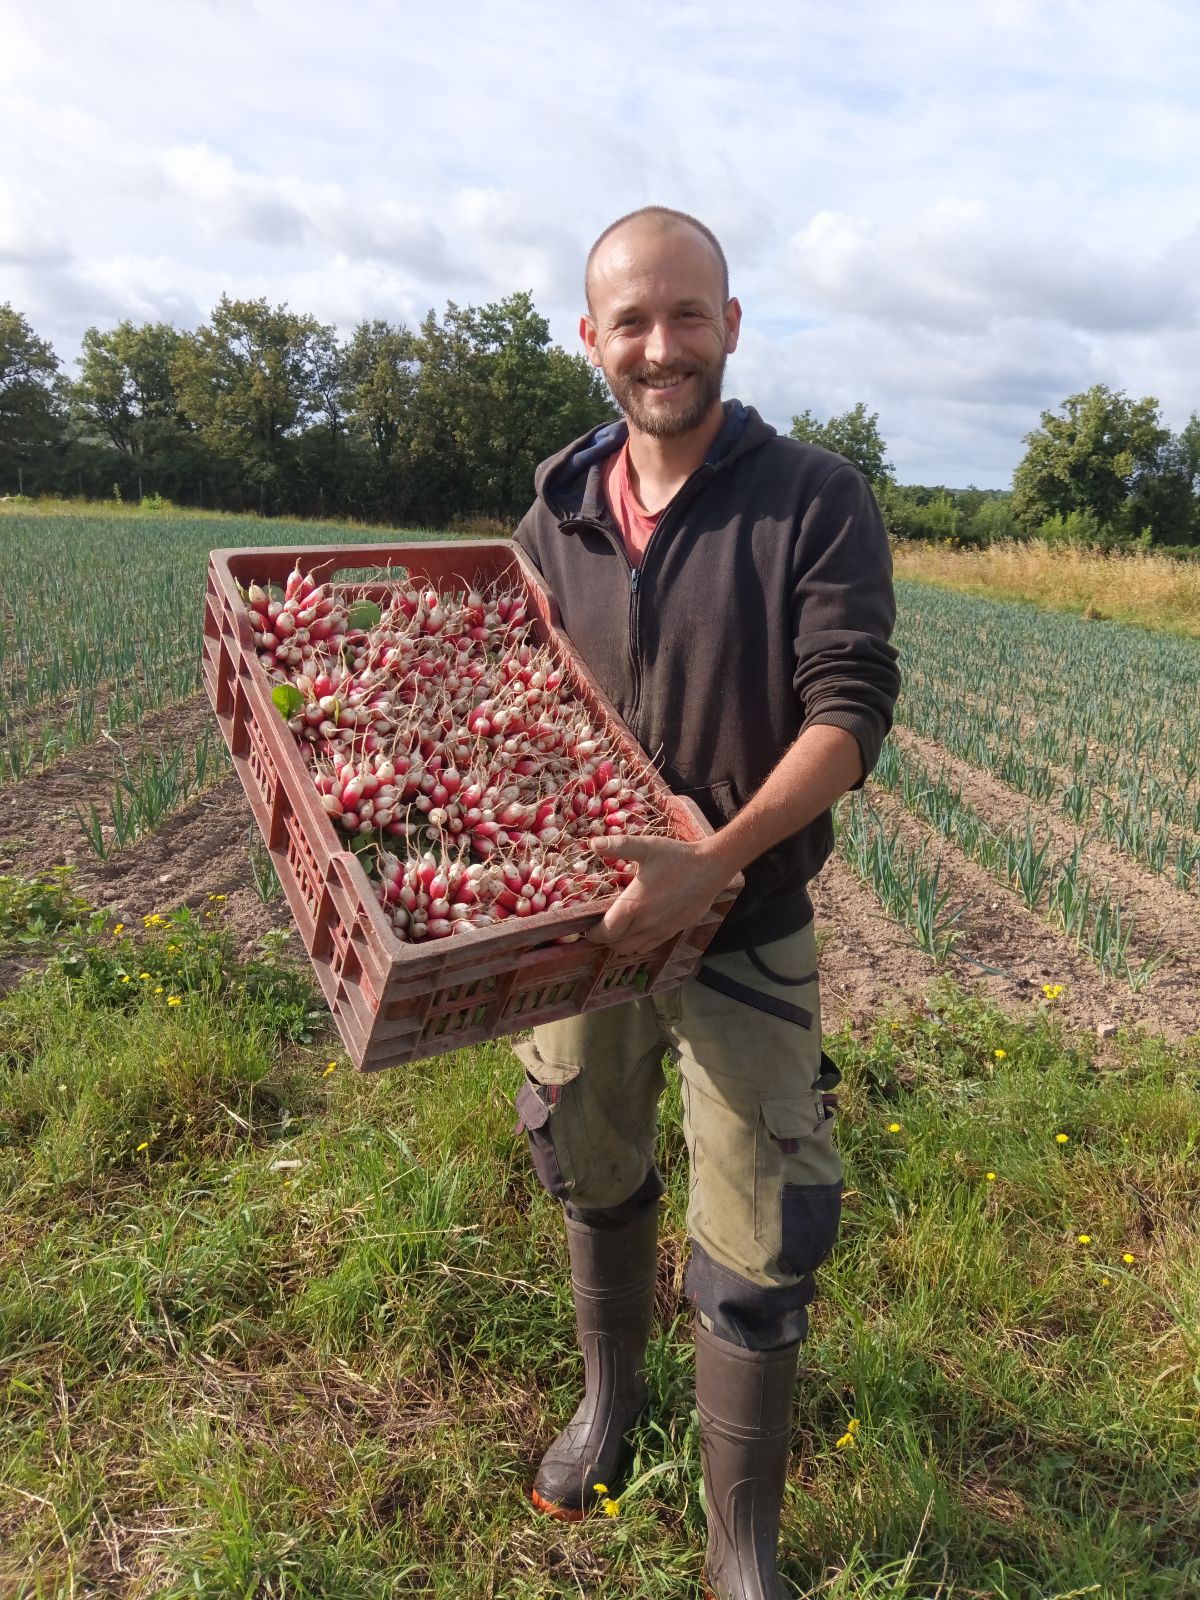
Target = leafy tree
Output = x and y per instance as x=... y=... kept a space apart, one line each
x=852 y=434
x=381 y=370
x=913 y=511
x=1166 y=502
x=252 y=379
x=125 y=389
x=31 y=410
x=992 y=520
x=493 y=397
x=1095 y=456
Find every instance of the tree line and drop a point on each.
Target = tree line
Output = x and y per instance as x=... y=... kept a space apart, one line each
x=1103 y=470
x=263 y=408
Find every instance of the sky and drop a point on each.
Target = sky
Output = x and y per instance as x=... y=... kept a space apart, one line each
x=958 y=213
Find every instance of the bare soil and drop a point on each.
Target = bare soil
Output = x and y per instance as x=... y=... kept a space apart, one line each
x=1167 y=918
x=199 y=851
x=1010 y=953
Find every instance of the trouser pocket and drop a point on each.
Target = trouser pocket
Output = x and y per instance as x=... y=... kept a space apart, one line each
x=797 y=1181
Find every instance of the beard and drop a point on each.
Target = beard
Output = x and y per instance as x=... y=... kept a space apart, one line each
x=667 y=421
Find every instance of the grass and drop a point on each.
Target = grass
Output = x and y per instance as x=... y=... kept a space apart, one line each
x=1152 y=591
x=277 y=1330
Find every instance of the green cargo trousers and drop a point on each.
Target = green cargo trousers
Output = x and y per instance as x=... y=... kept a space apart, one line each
x=764 y=1196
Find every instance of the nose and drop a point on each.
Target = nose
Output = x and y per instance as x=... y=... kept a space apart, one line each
x=661 y=344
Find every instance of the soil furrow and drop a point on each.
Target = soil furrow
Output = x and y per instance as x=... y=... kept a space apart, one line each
x=1013 y=952
x=1063 y=777
x=197 y=851
x=869 y=964
x=1167 y=918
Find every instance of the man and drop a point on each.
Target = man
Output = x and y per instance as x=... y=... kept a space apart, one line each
x=732 y=592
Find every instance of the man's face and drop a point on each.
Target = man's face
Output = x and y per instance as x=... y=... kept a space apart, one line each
x=660 y=328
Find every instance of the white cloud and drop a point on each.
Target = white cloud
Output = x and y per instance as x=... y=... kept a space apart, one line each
x=957 y=213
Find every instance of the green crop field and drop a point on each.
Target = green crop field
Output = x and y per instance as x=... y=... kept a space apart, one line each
x=271 y=1329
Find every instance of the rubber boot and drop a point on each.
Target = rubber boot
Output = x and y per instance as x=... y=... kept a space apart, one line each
x=744 y=1398
x=612 y=1276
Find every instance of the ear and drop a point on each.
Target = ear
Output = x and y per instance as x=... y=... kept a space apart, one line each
x=587 y=332
x=733 y=324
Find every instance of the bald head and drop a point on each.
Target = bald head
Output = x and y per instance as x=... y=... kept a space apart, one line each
x=652 y=222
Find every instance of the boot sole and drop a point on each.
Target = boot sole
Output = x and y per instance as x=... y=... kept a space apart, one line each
x=560 y=1513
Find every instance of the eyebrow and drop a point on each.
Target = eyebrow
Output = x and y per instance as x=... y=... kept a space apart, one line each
x=633 y=308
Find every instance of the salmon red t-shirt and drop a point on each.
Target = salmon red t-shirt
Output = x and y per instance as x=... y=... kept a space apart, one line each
x=635 y=522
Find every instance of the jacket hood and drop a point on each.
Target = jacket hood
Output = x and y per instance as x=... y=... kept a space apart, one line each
x=562 y=481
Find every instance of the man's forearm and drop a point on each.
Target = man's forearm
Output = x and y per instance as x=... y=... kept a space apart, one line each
x=821 y=765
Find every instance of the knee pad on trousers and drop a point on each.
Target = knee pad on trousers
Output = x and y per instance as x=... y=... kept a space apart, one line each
x=754 y=1315
x=533 y=1103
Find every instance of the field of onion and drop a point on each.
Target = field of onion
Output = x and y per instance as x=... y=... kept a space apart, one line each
x=1033 y=826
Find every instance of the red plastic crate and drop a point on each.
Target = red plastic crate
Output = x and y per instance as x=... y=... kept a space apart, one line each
x=395 y=1002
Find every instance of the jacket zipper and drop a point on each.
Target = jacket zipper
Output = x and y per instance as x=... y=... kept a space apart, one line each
x=687 y=493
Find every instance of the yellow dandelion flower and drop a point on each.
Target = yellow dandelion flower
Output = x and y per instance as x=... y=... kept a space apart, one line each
x=174 y=1000
x=1052 y=990
x=154 y=920
x=212 y=897
x=599 y=1488
x=125 y=977
x=1106 y=1282
x=144 y=976
x=1128 y=1258
x=1000 y=1054
x=120 y=928
x=331 y=1068
x=612 y=1508
x=145 y=1145
x=1062 y=1138
x=990 y=1176
x=159 y=990
x=218 y=897
x=1085 y=1238
x=894 y=1127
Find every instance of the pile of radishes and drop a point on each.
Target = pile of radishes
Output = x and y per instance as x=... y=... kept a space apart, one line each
x=450 y=750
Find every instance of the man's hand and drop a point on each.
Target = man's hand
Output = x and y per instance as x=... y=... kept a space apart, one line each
x=676 y=884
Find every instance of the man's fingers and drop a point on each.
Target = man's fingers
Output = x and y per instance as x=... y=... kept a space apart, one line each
x=631 y=847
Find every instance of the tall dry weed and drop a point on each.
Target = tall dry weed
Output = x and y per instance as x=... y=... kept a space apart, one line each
x=1151 y=590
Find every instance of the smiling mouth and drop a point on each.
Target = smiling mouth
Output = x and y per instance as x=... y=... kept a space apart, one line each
x=664 y=385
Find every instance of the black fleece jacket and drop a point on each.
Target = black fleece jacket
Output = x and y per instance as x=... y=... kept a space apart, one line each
x=763 y=605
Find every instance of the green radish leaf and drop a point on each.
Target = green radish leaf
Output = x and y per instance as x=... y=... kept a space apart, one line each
x=364 y=614
x=288 y=699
